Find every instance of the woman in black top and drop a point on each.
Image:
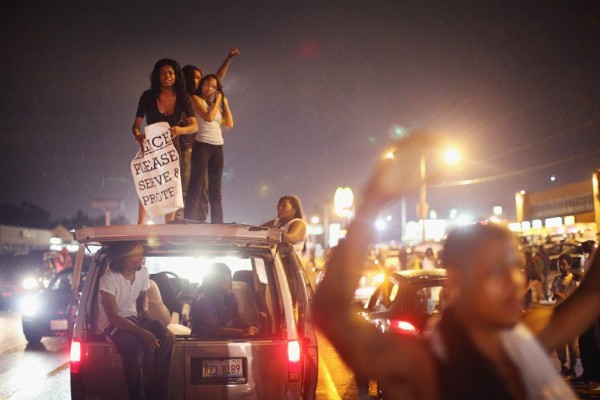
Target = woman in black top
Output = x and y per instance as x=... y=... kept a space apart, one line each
x=165 y=101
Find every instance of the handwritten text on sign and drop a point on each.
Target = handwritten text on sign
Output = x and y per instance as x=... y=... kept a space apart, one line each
x=156 y=172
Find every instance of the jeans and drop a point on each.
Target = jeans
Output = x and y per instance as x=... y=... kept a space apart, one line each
x=185 y=164
x=147 y=371
x=207 y=170
x=561 y=352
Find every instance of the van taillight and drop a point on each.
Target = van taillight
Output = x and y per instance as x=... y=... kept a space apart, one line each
x=75 y=357
x=294 y=365
x=403 y=327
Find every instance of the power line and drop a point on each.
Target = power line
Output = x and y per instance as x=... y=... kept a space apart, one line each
x=545 y=139
x=513 y=173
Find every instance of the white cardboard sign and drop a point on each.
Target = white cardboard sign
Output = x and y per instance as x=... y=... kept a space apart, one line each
x=156 y=172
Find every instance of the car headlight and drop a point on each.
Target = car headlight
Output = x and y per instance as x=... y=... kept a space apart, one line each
x=30 y=306
x=379 y=278
x=30 y=283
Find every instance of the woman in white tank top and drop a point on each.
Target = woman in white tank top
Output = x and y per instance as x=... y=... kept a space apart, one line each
x=290 y=219
x=212 y=110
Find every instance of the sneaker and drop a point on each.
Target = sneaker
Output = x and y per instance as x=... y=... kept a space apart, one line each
x=593 y=385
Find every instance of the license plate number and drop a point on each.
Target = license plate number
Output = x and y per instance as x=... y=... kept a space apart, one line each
x=231 y=368
x=59 y=324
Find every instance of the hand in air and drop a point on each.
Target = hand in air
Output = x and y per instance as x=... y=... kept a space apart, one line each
x=233 y=53
x=397 y=173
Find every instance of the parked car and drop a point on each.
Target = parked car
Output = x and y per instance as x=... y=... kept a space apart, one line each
x=272 y=292
x=405 y=303
x=51 y=311
x=25 y=273
x=372 y=275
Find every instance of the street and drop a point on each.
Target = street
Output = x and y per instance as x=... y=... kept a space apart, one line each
x=42 y=371
x=28 y=372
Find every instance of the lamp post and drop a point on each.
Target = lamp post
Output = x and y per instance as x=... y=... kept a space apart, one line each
x=452 y=157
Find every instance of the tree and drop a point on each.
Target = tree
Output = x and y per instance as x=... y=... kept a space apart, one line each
x=26 y=214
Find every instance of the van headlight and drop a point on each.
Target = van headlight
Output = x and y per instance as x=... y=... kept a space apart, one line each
x=30 y=306
x=30 y=283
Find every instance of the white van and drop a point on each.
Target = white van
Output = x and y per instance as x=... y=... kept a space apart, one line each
x=272 y=292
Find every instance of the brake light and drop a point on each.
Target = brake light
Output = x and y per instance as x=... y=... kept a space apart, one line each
x=294 y=351
x=294 y=360
x=403 y=327
x=75 y=357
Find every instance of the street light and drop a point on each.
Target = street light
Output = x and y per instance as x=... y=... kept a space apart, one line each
x=452 y=157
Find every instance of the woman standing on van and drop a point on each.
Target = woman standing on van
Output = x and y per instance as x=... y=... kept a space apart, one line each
x=165 y=101
x=290 y=219
x=212 y=109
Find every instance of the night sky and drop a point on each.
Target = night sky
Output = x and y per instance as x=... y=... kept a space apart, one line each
x=318 y=91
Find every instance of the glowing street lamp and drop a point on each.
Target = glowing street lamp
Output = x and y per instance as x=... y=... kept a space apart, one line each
x=452 y=156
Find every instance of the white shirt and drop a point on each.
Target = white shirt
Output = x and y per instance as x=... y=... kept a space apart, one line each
x=299 y=245
x=125 y=292
x=209 y=132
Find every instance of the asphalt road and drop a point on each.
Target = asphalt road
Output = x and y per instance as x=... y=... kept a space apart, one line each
x=42 y=371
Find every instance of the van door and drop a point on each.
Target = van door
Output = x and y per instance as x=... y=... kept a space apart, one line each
x=302 y=296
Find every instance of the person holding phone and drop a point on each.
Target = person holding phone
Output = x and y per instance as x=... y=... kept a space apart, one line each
x=212 y=109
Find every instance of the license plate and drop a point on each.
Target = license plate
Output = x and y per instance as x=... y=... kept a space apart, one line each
x=224 y=370
x=59 y=324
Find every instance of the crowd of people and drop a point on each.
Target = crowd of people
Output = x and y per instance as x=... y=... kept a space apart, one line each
x=479 y=348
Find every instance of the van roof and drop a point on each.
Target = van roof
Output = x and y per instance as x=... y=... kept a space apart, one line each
x=184 y=231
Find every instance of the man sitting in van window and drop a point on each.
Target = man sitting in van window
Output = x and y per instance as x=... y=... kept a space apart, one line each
x=215 y=311
x=123 y=316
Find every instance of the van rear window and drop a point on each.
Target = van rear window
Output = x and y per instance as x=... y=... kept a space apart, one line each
x=217 y=295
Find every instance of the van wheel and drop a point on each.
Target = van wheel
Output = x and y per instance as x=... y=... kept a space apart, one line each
x=32 y=336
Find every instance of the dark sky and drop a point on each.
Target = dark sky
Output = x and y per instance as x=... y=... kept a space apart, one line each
x=318 y=90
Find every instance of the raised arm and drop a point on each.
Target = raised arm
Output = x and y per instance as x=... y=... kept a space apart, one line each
x=577 y=312
x=225 y=66
x=386 y=357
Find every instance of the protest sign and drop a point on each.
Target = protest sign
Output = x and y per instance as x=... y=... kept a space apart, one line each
x=156 y=172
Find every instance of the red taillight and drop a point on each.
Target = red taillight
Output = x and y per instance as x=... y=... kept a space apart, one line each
x=294 y=356
x=294 y=351
x=403 y=327
x=75 y=357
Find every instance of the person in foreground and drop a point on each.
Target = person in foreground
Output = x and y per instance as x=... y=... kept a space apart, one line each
x=479 y=349
x=146 y=345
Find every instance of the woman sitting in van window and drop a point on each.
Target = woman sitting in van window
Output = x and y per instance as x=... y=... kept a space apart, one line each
x=215 y=311
x=290 y=219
